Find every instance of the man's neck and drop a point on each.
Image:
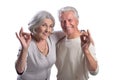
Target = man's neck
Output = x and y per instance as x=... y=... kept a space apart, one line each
x=74 y=35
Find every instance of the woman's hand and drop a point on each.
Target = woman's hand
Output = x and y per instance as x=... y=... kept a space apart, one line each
x=24 y=38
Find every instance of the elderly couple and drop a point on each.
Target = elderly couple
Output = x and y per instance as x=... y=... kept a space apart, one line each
x=72 y=51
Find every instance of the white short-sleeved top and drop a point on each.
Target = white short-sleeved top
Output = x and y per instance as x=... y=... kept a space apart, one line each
x=38 y=66
x=70 y=60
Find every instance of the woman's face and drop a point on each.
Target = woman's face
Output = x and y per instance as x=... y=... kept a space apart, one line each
x=45 y=29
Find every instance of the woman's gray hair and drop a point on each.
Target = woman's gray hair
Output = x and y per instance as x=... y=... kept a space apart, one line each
x=38 y=20
x=68 y=8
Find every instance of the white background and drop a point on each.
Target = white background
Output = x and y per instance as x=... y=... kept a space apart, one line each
x=101 y=17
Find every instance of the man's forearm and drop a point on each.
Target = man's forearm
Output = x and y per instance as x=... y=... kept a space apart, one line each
x=91 y=62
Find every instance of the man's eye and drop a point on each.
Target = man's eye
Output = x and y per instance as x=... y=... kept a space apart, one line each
x=51 y=26
x=69 y=20
x=62 y=21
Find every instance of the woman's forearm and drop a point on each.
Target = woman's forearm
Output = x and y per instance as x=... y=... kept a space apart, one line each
x=21 y=61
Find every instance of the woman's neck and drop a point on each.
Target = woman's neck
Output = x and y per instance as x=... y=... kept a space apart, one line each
x=37 y=39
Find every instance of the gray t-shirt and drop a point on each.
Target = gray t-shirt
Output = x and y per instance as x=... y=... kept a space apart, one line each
x=71 y=62
x=38 y=66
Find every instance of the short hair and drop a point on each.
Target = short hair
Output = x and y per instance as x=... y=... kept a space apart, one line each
x=68 y=8
x=38 y=20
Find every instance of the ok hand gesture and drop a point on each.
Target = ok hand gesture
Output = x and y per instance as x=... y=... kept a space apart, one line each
x=24 y=38
x=85 y=39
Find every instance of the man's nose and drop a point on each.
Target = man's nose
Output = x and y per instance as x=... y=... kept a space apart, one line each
x=67 y=23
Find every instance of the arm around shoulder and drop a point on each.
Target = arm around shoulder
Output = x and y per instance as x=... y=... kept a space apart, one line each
x=58 y=35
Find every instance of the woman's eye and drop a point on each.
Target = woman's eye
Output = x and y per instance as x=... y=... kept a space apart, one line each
x=43 y=25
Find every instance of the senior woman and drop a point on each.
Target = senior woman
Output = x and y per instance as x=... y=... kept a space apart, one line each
x=38 y=50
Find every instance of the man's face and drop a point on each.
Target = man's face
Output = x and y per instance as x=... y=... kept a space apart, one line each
x=69 y=22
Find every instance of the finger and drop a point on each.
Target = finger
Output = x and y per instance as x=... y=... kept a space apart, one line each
x=82 y=30
x=21 y=31
x=89 y=35
x=84 y=33
x=18 y=37
x=84 y=38
x=26 y=35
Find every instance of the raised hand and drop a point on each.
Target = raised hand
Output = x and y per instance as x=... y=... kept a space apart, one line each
x=86 y=39
x=24 y=38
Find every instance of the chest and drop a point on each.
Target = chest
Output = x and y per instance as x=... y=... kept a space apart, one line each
x=37 y=60
x=69 y=51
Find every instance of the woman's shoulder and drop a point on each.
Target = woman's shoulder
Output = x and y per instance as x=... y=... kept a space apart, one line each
x=32 y=44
